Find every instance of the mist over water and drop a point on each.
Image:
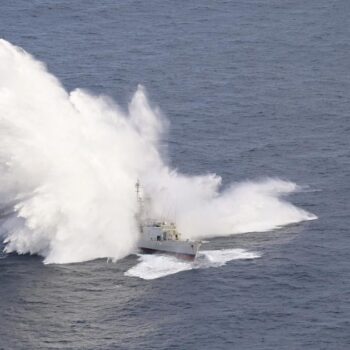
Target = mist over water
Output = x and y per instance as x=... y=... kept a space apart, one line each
x=69 y=163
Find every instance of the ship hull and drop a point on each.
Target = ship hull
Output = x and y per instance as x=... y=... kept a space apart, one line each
x=189 y=257
x=181 y=249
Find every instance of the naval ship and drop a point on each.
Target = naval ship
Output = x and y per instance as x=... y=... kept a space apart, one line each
x=162 y=236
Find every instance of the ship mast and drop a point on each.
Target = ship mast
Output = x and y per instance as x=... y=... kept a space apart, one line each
x=138 y=195
x=139 y=201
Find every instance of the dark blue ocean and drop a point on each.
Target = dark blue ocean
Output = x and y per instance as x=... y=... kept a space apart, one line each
x=252 y=89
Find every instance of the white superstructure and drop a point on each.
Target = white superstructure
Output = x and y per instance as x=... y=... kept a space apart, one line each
x=162 y=236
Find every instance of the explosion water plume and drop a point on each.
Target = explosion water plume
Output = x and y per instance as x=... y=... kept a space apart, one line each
x=68 y=165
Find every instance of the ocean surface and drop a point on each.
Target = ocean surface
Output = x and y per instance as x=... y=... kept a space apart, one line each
x=252 y=89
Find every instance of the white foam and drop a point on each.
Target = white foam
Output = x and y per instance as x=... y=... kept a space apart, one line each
x=156 y=266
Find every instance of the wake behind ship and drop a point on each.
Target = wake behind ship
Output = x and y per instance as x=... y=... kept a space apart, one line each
x=162 y=236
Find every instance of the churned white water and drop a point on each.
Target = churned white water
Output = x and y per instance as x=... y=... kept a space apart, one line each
x=156 y=266
x=69 y=162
